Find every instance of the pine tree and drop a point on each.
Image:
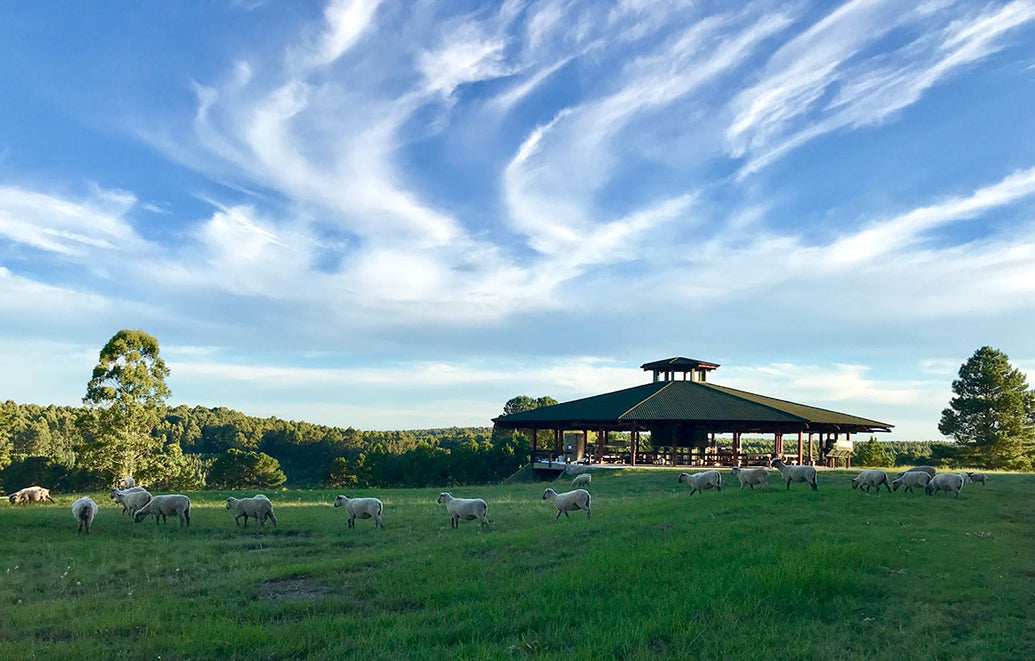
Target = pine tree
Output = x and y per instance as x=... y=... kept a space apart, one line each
x=992 y=415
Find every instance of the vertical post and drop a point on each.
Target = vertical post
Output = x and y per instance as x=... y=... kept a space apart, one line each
x=633 y=445
x=736 y=448
x=601 y=442
x=812 y=461
x=800 y=457
x=848 y=459
x=778 y=444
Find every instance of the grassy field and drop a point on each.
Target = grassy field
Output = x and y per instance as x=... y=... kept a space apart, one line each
x=654 y=574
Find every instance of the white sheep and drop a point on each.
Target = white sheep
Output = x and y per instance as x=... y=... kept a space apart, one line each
x=258 y=507
x=805 y=474
x=976 y=476
x=131 y=499
x=945 y=482
x=116 y=491
x=467 y=509
x=929 y=470
x=567 y=501
x=872 y=477
x=911 y=479
x=361 y=508
x=701 y=481
x=751 y=477
x=125 y=483
x=166 y=505
x=31 y=494
x=83 y=511
x=582 y=480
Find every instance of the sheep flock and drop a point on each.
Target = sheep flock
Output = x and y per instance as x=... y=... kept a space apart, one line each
x=139 y=503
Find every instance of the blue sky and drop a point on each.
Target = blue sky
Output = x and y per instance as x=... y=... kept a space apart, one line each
x=401 y=214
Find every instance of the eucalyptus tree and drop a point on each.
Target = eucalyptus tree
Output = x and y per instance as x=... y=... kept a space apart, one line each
x=125 y=400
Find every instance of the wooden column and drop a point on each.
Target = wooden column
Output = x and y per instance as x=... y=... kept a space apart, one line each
x=812 y=460
x=800 y=457
x=633 y=445
x=601 y=442
x=736 y=448
x=778 y=444
x=848 y=459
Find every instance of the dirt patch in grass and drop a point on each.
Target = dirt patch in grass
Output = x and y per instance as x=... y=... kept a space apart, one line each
x=301 y=588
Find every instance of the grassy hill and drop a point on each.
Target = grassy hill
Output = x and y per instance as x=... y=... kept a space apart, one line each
x=654 y=574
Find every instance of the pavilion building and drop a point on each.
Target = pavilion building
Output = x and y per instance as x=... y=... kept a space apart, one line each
x=684 y=415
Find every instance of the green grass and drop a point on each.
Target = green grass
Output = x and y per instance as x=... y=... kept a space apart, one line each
x=654 y=574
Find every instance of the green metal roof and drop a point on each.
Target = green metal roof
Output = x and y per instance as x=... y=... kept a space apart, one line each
x=687 y=401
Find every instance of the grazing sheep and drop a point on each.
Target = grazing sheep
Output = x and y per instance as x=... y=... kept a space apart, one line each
x=361 y=508
x=131 y=499
x=467 y=509
x=32 y=494
x=116 y=491
x=945 y=482
x=258 y=507
x=977 y=477
x=165 y=505
x=911 y=479
x=83 y=510
x=871 y=477
x=796 y=473
x=125 y=483
x=582 y=480
x=701 y=481
x=751 y=477
x=918 y=469
x=569 y=500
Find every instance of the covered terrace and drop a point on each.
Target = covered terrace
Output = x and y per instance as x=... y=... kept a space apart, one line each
x=684 y=416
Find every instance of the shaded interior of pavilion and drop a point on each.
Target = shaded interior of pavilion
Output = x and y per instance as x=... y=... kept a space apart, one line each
x=680 y=419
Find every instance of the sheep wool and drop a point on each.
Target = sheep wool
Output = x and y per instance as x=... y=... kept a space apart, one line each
x=361 y=508
x=751 y=477
x=701 y=481
x=790 y=474
x=911 y=479
x=467 y=509
x=164 y=506
x=257 y=507
x=871 y=477
x=582 y=480
x=568 y=501
x=83 y=511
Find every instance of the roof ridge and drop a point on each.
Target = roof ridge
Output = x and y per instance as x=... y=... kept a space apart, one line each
x=664 y=386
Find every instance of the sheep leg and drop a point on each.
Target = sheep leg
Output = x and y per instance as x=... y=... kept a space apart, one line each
x=378 y=523
x=272 y=518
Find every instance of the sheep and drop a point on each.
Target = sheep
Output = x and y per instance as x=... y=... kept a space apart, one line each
x=361 y=508
x=910 y=479
x=258 y=507
x=163 y=506
x=30 y=494
x=872 y=478
x=977 y=477
x=582 y=480
x=918 y=469
x=945 y=482
x=701 y=481
x=569 y=500
x=751 y=477
x=125 y=483
x=131 y=499
x=796 y=473
x=83 y=511
x=467 y=509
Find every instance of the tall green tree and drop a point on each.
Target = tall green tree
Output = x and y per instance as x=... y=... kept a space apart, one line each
x=992 y=415
x=125 y=400
x=237 y=469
